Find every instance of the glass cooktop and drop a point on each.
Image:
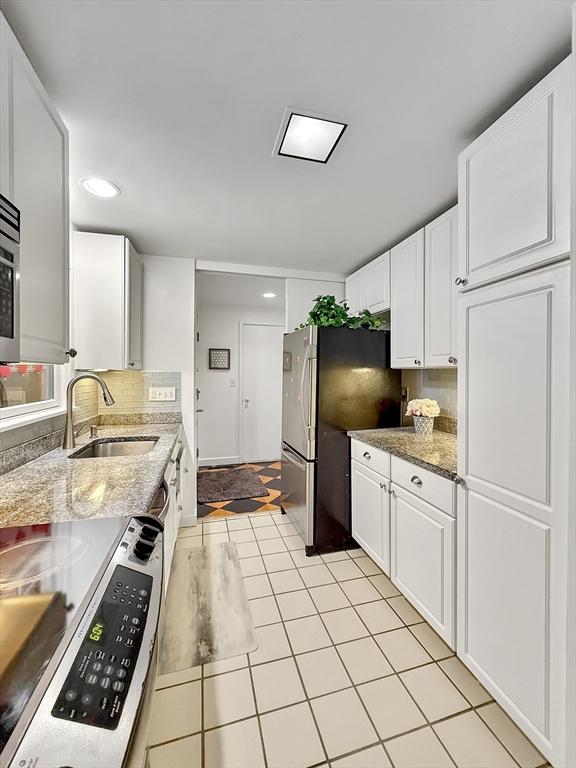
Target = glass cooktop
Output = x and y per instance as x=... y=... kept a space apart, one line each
x=45 y=573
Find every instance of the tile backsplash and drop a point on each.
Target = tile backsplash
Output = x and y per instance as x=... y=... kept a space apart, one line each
x=438 y=384
x=130 y=392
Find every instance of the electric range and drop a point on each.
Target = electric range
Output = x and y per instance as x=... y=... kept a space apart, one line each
x=79 y=608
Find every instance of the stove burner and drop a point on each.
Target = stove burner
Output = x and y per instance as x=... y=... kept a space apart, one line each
x=30 y=560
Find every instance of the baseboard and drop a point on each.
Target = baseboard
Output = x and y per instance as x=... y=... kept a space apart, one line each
x=216 y=462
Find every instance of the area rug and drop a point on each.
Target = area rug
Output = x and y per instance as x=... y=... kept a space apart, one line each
x=207 y=615
x=228 y=484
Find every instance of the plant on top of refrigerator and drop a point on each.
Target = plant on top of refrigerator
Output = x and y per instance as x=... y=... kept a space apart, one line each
x=329 y=312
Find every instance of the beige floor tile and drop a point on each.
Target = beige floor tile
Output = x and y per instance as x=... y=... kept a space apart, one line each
x=190 y=530
x=286 y=581
x=317 y=575
x=359 y=552
x=295 y=605
x=329 y=597
x=471 y=743
x=291 y=739
x=218 y=526
x=234 y=746
x=188 y=542
x=287 y=529
x=242 y=536
x=389 y=704
x=209 y=540
x=436 y=696
x=378 y=616
x=384 y=585
x=301 y=559
x=343 y=723
x=345 y=570
x=511 y=736
x=344 y=625
x=373 y=757
x=176 y=712
x=465 y=681
x=280 y=561
x=248 y=549
x=239 y=524
x=433 y=643
x=368 y=566
x=307 y=634
x=294 y=543
x=257 y=586
x=272 y=546
x=277 y=684
x=252 y=566
x=176 y=678
x=419 y=749
x=262 y=521
x=364 y=660
x=402 y=649
x=184 y=753
x=333 y=557
x=360 y=590
x=272 y=644
x=225 y=665
x=264 y=611
x=405 y=610
x=270 y=532
x=227 y=698
x=322 y=672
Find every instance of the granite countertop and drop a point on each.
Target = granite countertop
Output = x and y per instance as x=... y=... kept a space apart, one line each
x=436 y=452
x=54 y=488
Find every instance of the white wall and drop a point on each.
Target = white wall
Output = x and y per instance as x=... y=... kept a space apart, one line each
x=219 y=326
x=300 y=295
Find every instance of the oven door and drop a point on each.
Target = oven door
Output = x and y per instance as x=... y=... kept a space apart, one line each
x=9 y=301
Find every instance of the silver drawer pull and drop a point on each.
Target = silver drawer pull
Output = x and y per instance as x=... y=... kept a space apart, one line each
x=367 y=455
x=416 y=480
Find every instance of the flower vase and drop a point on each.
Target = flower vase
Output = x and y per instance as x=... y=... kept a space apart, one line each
x=423 y=425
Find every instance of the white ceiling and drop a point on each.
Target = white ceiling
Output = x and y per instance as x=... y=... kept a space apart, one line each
x=239 y=290
x=179 y=103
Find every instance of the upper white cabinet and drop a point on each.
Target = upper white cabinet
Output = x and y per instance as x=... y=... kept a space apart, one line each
x=513 y=508
x=34 y=176
x=440 y=293
x=514 y=185
x=369 y=287
x=108 y=301
x=407 y=302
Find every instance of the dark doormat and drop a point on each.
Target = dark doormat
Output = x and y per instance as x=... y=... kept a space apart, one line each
x=228 y=484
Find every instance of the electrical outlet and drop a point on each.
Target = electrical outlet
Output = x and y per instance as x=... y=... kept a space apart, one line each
x=163 y=394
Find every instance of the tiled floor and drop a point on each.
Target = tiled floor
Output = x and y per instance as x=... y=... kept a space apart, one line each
x=269 y=474
x=347 y=674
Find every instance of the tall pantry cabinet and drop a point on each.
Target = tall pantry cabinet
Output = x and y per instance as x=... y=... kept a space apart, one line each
x=513 y=390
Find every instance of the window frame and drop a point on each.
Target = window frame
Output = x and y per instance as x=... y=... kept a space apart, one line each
x=15 y=416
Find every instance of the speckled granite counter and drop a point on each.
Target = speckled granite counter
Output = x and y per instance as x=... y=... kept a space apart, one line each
x=55 y=488
x=436 y=452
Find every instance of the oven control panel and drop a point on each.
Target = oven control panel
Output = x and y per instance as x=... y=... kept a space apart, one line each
x=99 y=679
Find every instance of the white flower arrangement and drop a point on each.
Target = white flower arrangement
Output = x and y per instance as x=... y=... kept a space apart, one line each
x=425 y=407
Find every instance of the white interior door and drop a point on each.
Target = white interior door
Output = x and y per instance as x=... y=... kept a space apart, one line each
x=261 y=392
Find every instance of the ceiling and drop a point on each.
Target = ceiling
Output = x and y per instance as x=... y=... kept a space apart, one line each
x=239 y=290
x=179 y=103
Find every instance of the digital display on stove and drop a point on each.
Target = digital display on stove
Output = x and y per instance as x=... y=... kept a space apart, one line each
x=105 y=619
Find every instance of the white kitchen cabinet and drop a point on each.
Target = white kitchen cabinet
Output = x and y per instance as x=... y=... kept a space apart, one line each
x=355 y=293
x=423 y=559
x=407 y=302
x=34 y=176
x=514 y=185
x=371 y=513
x=513 y=507
x=108 y=302
x=440 y=292
x=369 y=287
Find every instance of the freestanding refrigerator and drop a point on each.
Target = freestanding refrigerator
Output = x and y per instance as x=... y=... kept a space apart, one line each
x=334 y=380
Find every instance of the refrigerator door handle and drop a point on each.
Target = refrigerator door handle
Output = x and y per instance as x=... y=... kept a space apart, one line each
x=307 y=358
x=300 y=464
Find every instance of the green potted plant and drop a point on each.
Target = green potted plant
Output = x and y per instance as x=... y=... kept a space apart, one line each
x=329 y=312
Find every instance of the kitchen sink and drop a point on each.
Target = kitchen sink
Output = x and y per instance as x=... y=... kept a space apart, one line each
x=102 y=449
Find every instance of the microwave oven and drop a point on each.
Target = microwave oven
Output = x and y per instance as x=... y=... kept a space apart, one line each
x=9 y=282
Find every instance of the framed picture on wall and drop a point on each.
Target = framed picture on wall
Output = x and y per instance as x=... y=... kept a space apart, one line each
x=219 y=359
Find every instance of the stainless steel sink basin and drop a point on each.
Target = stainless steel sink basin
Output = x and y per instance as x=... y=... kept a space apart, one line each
x=102 y=449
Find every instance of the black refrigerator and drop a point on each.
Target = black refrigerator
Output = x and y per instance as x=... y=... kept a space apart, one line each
x=334 y=380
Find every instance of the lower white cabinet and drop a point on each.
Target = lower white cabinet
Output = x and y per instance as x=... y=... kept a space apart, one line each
x=371 y=513
x=423 y=559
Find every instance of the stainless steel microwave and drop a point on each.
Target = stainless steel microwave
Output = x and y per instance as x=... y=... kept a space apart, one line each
x=9 y=282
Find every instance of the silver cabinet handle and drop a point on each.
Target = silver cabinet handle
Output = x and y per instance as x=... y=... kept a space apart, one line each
x=131 y=363
x=452 y=360
x=173 y=482
x=460 y=281
x=417 y=362
x=179 y=507
x=367 y=455
x=383 y=486
x=416 y=480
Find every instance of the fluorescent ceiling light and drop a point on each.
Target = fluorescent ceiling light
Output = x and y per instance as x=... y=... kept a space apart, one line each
x=268 y=295
x=309 y=136
x=100 y=187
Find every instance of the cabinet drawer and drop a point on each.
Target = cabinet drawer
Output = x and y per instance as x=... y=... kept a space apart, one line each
x=371 y=457
x=434 y=489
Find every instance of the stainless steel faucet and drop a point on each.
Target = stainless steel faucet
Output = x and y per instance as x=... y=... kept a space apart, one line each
x=69 y=437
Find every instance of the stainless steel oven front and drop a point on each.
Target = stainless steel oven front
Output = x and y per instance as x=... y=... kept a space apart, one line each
x=9 y=282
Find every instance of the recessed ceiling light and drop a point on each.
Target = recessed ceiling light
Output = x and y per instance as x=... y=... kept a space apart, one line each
x=268 y=295
x=309 y=135
x=100 y=187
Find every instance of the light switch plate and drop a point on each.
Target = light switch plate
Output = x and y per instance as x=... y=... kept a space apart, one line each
x=164 y=394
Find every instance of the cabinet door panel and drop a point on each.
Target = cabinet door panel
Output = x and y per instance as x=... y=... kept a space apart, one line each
x=371 y=514
x=514 y=185
x=355 y=292
x=377 y=283
x=134 y=308
x=407 y=302
x=440 y=260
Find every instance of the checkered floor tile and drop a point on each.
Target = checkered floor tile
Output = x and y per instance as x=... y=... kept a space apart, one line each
x=269 y=474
